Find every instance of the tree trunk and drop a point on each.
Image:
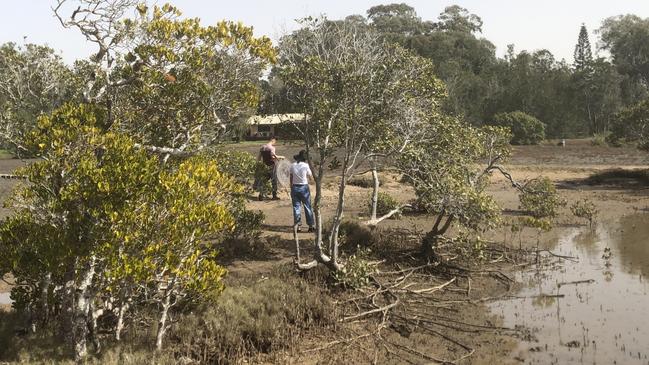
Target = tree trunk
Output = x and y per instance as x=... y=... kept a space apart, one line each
x=123 y=308
x=81 y=311
x=164 y=314
x=340 y=208
x=446 y=225
x=375 y=193
x=45 y=289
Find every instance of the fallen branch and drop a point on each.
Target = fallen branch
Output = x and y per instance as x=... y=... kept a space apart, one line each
x=369 y=312
x=375 y=222
x=434 y=288
x=589 y=281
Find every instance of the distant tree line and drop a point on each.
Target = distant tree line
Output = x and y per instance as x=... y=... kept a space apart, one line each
x=572 y=100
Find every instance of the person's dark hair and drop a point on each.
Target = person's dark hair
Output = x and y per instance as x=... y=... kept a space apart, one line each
x=273 y=137
x=300 y=157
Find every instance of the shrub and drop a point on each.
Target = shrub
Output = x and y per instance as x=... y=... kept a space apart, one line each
x=540 y=199
x=246 y=321
x=585 y=209
x=630 y=125
x=364 y=181
x=357 y=270
x=384 y=204
x=638 y=176
x=239 y=164
x=599 y=139
x=355 y=235
x=525 y=128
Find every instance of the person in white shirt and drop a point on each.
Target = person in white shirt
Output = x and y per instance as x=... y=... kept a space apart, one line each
x=300 y=194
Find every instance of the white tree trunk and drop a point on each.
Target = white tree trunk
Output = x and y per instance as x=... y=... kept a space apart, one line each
x=375 y=193
x=164 y=315
x=81 y=310
x=120 y=321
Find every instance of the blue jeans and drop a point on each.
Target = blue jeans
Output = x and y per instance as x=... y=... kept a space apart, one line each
x=300 y=195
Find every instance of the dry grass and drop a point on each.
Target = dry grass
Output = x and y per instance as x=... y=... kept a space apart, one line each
x=249 y=320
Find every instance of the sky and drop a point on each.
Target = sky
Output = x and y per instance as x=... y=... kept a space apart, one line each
x=528 y=24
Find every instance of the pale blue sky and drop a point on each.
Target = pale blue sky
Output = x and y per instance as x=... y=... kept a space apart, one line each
x=529 y=24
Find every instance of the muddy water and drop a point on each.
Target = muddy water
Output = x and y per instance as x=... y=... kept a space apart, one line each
x=594 y=311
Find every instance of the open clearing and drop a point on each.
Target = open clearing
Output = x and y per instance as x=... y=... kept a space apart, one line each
x=566 y=167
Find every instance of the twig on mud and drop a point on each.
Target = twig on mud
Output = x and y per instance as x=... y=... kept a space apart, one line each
x=433 y=288
x=569 y=258
x=478 y=326
x=589 y=281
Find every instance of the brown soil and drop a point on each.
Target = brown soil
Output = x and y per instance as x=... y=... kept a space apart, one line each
x=567 y=167
x=570 y=164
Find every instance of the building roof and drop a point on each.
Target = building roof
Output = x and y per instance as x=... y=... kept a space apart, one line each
x=275 y=118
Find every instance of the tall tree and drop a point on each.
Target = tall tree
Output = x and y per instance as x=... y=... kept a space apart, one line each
x=626 y=37
x=583 y=52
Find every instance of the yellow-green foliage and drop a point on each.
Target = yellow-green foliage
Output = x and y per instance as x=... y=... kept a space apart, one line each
x=385 y=203
x=540 y=200
x=189 y=79
x=584 y=209
x=95 y=198
x=357 y=270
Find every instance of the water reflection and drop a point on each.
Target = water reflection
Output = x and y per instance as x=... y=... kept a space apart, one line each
x=594 y=311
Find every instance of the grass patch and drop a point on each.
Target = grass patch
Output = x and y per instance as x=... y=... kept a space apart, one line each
x=248 y=320
x=251 y=320
x=6 y=155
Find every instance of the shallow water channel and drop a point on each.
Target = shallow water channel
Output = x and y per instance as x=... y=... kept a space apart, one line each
x=593 y=311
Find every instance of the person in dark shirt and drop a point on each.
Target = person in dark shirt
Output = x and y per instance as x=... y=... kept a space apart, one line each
x=269 y=158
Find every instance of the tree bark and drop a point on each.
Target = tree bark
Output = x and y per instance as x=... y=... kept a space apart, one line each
x=446 y=225
x=81 y=310
x=375 y=193
x=164 y=315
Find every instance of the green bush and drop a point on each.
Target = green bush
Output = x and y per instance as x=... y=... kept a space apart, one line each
x=384 y=204
x=540 y=199
x=525 y=128
x=584 y=209
x=357 y=271
x=246 y=321
x=630 y=125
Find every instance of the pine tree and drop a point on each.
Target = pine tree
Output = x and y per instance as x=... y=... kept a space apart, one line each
x=583 y=52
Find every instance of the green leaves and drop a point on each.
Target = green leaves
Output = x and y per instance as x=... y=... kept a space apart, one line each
x=446 y=173
x=190 y=81
x=525 y=129
x=94 y=197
